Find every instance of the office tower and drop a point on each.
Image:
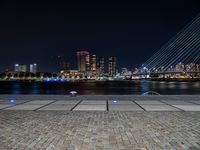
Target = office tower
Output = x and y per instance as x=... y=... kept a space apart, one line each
x=83 y=58
x=20 y=68
x=112 y=62
x=33 y=68
x=101 y=65
x=93 y=64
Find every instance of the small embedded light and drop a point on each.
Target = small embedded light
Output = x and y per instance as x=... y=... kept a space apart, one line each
x=12 y=100
x=114 y=101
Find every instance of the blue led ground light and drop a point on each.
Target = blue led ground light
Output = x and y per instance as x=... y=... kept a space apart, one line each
x=12 y=100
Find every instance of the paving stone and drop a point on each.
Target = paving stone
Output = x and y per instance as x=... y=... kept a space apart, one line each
x=188 y=107
x=151 y=102
x=159 y=108
x=24 y=107
x=99 y=130
x=125 y=108
x=93 y=102
x=90 y=108
x=57 y=107
x=195 y=102
x=66 y=102
x=120 y=102
x=39 y=102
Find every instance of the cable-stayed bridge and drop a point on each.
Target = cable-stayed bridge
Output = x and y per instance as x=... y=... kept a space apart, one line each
x=181 y=54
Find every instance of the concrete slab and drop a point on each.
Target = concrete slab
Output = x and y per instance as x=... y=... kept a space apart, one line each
x=176 y=102
x=24 y=107
x=4 y=106
x=93 y=102
x=90 y=108
x=66 y=102
x=159 y=108
x=188 y=107
x=39 y=102
x=57 y=107
x=120 y=97
x=125 y=108
x=120 y=102
x=149 y=102
x=16 y=102
x=96 y=97
x=195 y=102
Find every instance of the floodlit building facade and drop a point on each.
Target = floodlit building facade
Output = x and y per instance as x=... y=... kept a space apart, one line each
x=112 y=69
x=33 y=68
x=20 y=68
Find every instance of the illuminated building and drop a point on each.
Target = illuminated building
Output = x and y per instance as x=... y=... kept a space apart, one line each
x=33 y=68
x=124 y=71
x=20 y=68
x=135 y=71
x=72 y=74
x=112 y=62
x=83 y=58
x=198 y=67
x=180 y=67
x=190 y=67
x=93 y=64
x=101 y=65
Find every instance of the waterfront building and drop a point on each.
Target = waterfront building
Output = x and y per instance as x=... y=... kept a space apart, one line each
x=33 y=68
x=180 y=67
x=83 y=61
x=70 y=74
x=190 y=67
x=112 y=69
x=124 y=71
x=136 y=71
x=20 y=68
x=93 y=64
x=101 y=66
x=64 y=66
x=198 y=67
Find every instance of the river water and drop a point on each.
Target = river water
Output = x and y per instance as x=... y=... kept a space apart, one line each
x=100 y=87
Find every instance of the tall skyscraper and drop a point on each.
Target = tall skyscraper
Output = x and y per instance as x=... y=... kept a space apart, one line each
x=93 y=63
x=112 y=69
x=33 y=68
x=20 y=68
x=83 y=58
x=101 y=65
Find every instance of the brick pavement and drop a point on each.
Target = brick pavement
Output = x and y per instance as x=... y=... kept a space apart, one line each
x=71 y=130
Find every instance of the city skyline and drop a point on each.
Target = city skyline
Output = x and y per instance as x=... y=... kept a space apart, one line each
x=131 y=31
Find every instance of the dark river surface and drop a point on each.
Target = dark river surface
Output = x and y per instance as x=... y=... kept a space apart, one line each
x=100 y=87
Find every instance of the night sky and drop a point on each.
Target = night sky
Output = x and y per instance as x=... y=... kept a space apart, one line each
x=39 y=31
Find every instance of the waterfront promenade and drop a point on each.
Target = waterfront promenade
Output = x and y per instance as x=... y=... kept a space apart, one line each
x=100 y=122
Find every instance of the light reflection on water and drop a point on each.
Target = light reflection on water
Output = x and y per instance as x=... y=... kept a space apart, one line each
x=103 y=87
x=145 y=86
